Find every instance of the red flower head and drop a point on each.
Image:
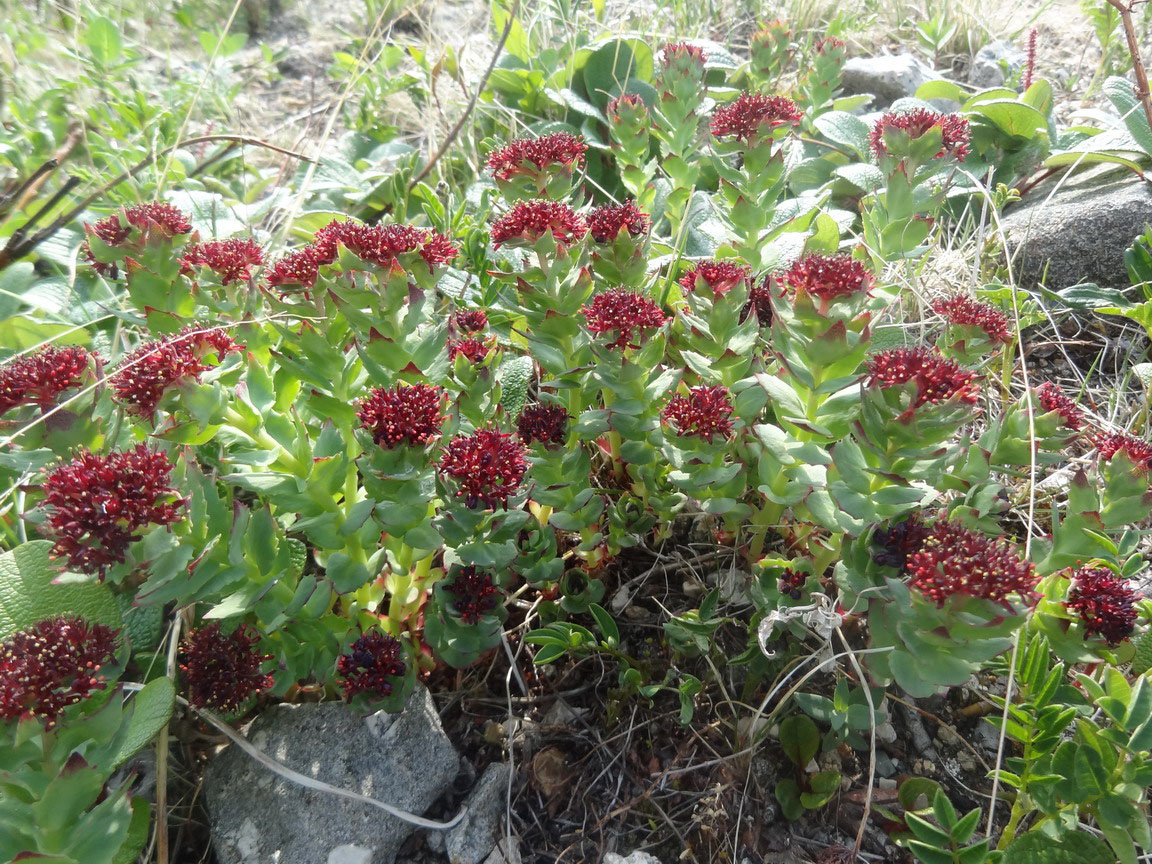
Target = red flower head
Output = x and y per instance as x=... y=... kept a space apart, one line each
x=232 y=260
x=752 y=116
x=52 y=665
x=827 y=277
x=759 y=303
x=372 y=665
x=1138 y=451
x=111 y=230
x=382 y=245
x=720 y=276
x=953 y=559
x=475 y=595
x=97 y=504
x=680 y=58
x=547 y=424
x=1051 y=398
x=470 y=320
x=605 y=223
x=1104 y=603
x=487 y=467
x=626 y=313
x=792 y=583
x=629 y=109
x=472 y=349
x=158 y=218
x=937 y=378
x=899 y=128
x=892 y=547
x=151 y=370
x=301 y=267
x=964 y=311
x=403 y=414
x=528 y=221
x=530 y=156
x=40 y=378
x=222 y=671
x=703 y=413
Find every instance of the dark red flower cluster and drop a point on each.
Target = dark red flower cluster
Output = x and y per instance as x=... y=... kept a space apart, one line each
x=487 y=467
x=1104 y=603
x=98 y=503
x=703 y=413
x=380 y=245
x=475 y=595
x=625 y=313
x=681 y=55
x=39 y=378
x=159 y=217
x=530 y=155
x=965 y=311
x=52 y=665
x=222 y=671
x=403 y=414
x=627 y=107
x=720 y=276
x=1052 y=398
x=915 y=123
x=147 y=373
x=937 y=378
x=111 y=230
x=751 y=115
x=792 y=582
x=828 y=277
x=1138 y=451
x=528 y=221
x=232 y=260
x=372 y=665
x=892 y=546
x=953 y=559
x=545 y=423
x=470 y=320
x=759 y=303
x=605 y=223
x=472 y=349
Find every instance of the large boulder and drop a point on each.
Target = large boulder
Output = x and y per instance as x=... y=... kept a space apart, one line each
x=1079 y=233
x=257 y=817
x=887 y=77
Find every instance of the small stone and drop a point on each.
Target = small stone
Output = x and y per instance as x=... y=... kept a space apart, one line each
x=887 y=78
x=350 y=854
x=994 y=63
x=634 y=858
x=885 y=765
x=886 y=732
x=563 y=714
x=507 y=851
x=886 y=783
x=474 y=838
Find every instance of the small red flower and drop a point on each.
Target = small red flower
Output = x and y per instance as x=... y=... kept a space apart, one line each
x=487 y=467
x=475 y=595
x=222 y=671
x=528 y=156
x=1051 y=398
x=372 y=665
x=626 y=313
x=301 y=267
x=403 y=414
x=605 y=223
x=145 y=375
x=158 y=217
x=383 y=244
x=52 y=665
x=627 y=108
x=232 y=260
x=470 y=320
x=472 y=349
x=827 y=277
x=111 y=230
x=792 y=582
x=759 y=303
x=40 y=378
x=751 y=115
x=1104 y=603
x=703 y=413
x=97 y=504
x=547 y=424
x=953 y=559
x=528 y=221
x=1138 y=451
x=720 y=276
x=892 y=546
x=937 y=378
x=682 y=57
x=953 y=128
x=964 y=311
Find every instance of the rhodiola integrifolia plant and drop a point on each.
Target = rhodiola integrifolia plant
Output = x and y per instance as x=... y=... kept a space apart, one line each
x=346 y=468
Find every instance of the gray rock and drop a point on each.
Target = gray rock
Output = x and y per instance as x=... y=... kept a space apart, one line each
x=634 y=858
x=993 y=61
x=507 y=851
x=474 y=838
x=258 y=817
x=1080 y=233
x=888 y=78
x=885 y=764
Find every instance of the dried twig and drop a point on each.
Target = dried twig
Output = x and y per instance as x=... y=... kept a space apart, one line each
x=1142 y=91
